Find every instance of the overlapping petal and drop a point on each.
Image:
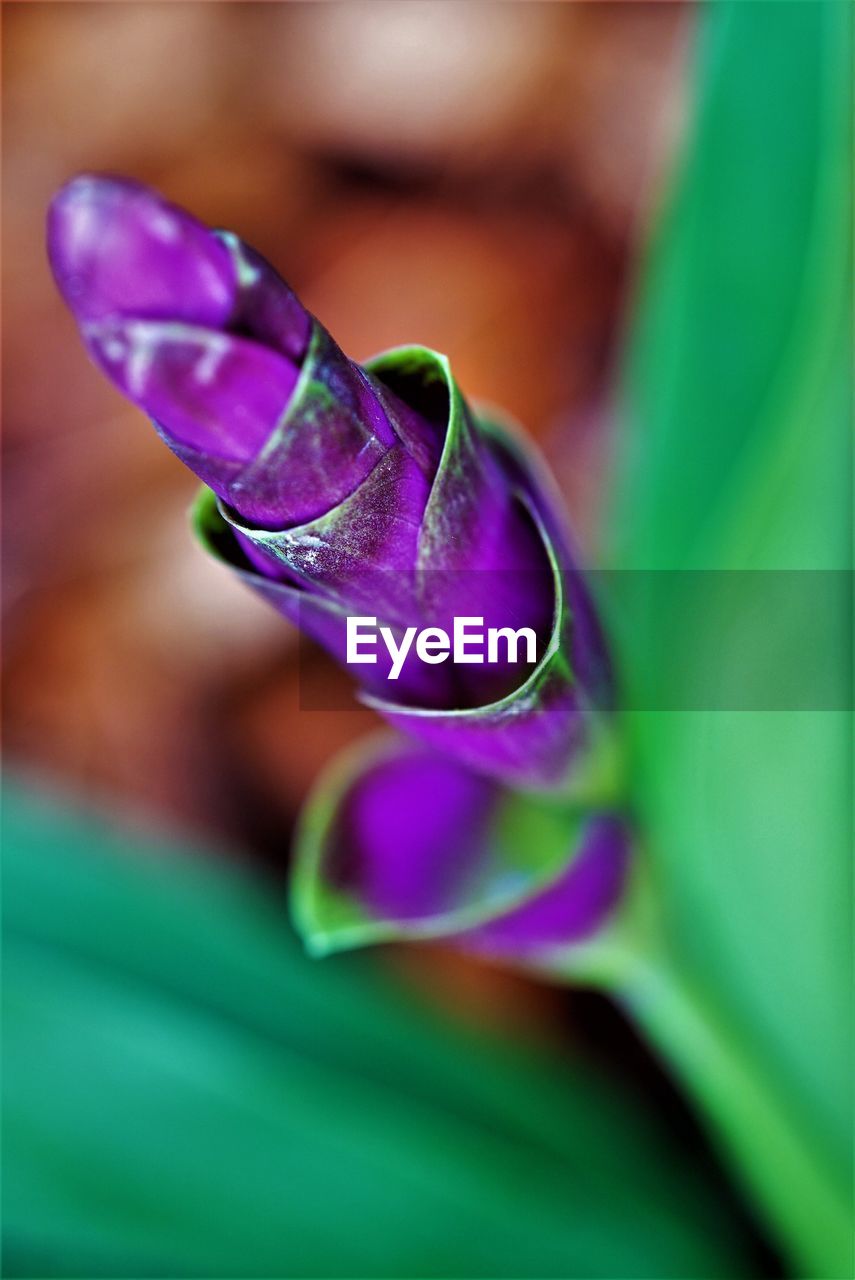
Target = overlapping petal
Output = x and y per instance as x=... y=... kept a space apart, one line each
x=400 y=843
x=484 y=538
x=344 y=490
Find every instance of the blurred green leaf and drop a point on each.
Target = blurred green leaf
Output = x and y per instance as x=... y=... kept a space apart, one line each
x=736 y=455
x=187 y=1094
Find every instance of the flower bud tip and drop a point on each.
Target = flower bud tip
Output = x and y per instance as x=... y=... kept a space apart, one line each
x=118 y=249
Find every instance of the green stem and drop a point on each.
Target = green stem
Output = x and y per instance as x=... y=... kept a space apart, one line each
x=753 y=1123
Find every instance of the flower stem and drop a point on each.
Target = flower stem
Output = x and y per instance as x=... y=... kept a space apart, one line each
x=754 y=1123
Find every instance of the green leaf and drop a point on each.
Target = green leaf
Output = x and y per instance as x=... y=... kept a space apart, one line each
x=186 y=1094
x=736 y=456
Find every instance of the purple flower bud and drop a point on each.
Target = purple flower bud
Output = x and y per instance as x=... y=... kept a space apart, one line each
x=195 y=328
x=119 y=250
x=402 y=844
x=339 y=489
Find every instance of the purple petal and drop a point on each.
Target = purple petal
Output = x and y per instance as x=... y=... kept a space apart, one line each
x=325 y=622
x=407 y=834
x=333 y=437
x=480 y=552
x=119 y=249
x=586 y=644
x=572 y=908
x=209 y=392
x=265 y=307
x=408 y=844
x=531 y=739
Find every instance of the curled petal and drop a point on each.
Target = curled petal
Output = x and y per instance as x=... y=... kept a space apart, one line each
x=265 y=307
x=400 y=843
x=480 y=537
x=119 y=249
x=571 y=908
x=216 y=399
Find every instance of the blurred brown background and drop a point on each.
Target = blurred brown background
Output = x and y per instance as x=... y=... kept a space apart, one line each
x=474 y=176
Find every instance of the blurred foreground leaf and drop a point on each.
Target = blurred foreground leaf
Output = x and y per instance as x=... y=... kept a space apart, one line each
x=737 y=456
x=186 y=1094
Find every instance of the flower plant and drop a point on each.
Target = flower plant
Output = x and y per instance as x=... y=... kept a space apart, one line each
x=689 y=861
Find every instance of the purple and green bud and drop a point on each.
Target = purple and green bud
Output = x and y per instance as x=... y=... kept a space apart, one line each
x=399 y=843
x=337 y=489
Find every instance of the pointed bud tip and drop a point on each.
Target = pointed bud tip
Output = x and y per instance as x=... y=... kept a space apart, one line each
x=118 y=249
